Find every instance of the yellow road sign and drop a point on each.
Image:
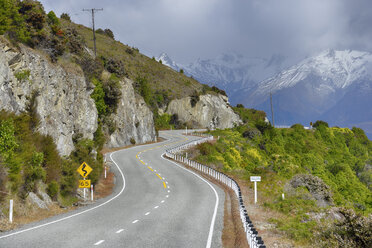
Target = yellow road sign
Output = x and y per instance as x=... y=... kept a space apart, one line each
x=84 y=169
x=84 y=183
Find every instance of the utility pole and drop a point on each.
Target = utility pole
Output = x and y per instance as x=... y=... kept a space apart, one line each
x=94 y=32
x=272 y=110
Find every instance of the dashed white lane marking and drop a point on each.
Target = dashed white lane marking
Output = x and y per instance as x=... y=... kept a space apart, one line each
x=166 y=182
x=147 y=213
x=168 y=191
x=167 y=196
x=156 y=206
x=162 y=201
x=119 y=231
x=99 y=242
x=135 y=221
x=155 y=170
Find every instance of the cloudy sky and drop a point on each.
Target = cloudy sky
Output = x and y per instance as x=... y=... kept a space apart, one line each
x=192 y=29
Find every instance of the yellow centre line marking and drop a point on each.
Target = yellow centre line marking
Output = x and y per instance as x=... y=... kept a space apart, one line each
x=165 y=185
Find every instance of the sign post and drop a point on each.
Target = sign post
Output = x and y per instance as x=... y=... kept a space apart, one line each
x=84 y=170
x=255 y=179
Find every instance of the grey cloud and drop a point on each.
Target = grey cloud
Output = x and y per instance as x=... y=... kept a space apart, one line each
x=190 y=29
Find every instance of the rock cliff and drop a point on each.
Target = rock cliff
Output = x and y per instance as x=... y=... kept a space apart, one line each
x=133 y=119
x=210 y=111
x=62 y=100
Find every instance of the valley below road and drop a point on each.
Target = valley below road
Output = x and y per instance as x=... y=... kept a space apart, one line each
x=155 y=203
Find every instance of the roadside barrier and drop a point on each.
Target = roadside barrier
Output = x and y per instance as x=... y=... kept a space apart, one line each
x=253 y=239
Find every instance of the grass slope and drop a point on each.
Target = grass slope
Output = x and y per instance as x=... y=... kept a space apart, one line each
x=340 y=157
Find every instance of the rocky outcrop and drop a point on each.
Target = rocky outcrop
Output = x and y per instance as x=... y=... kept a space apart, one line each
x=210 y=111
x=63 y=102
x=33 y=199
x=133 y=119
x=317 y=189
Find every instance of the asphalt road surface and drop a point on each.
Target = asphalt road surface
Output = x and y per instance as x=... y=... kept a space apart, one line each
x=155 y=203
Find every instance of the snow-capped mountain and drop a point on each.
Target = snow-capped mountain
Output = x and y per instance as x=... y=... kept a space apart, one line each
x=335 y=86
x=229 y=71
x=166 y=60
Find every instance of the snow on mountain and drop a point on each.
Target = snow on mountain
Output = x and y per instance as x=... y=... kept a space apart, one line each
x=229 y=71
x=335 y=86
x=166 y=60
x=341 y=68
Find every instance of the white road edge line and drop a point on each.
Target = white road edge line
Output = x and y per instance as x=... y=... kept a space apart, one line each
x=99 y=242
x=119 y=231
x=209 y=241
x=71 y=216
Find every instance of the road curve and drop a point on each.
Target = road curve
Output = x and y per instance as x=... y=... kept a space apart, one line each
x=155 y=203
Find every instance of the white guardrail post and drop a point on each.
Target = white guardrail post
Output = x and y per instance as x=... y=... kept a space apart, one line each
x=253 y=239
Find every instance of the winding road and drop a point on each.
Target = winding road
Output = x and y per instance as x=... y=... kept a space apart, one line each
x=155 y=203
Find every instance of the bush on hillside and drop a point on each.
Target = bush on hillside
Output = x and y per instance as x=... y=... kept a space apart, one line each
x=320 y=123
x=66 y=17
x=52 y=18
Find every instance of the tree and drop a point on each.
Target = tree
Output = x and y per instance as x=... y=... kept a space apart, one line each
x=320 y=123
x=109 y=33
x=66 y=17
x=52 y=18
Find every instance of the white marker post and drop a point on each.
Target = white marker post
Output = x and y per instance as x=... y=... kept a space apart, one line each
x=105 y=172
x=11 y=211
x=84 y=191
x=255 y=179
x=91 y=192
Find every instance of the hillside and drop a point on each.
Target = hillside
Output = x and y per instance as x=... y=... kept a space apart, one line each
x=60 y=105
x=325 y=174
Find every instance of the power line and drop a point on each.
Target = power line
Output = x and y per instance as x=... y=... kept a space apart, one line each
x=94 y=32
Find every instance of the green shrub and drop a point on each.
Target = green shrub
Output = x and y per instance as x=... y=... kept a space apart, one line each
x=112 y=91
x=66 y=17
x=53 y=189
x=143 y=88
x=52 y=18
x=22 y=75
x=318 y=124
x=132 y=141
x=8 y=141
x=69 y=183
x=98 y=96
